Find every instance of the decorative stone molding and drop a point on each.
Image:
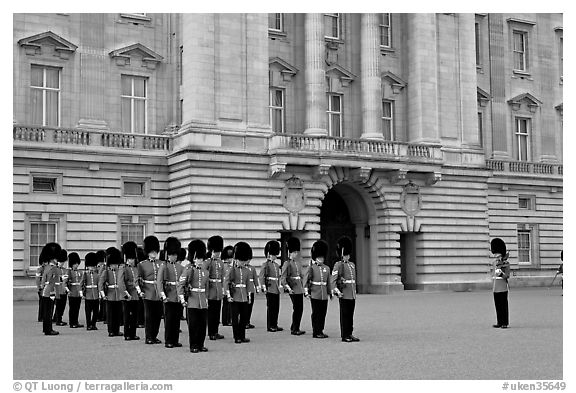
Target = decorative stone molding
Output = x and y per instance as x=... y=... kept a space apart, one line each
x=410 y=199
x=397 y=176
x=123 y=56
x=532 y=102
x=321 y=170
x=433 y=178
x=286 y=70
x=276 y=168
x=335 y=71
x=482 y=97
x=39 y=44
x=293 y=195
x=395 y=82
x=362 y=173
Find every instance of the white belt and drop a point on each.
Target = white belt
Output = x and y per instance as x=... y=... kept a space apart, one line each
x=149 y=281
x=74 y=283
x=240 y=285
x=170 y=283
x=57 y=283
x=349 y=281
x=198 y=290
x=296 y=278
x=318 y=283
x=273 y=278
x=91 y=286
x=215 y=280
x=112 y=286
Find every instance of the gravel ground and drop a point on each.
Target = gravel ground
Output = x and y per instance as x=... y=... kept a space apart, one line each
x=411 y=335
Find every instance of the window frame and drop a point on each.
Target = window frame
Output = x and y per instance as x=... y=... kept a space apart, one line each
x=44 y=90
x=525 y=230
x=388 y=26
x=481 y=124
x=60 y=235
x=330 y=112
x=391 y=119
x=132 y=99
x=281 y=19
x=145 y=181
x=338 y=18
x=48 y=175
x=147 y=223
x=519 y=135
x=531 y=202
x=41 y=244
x=273 y=108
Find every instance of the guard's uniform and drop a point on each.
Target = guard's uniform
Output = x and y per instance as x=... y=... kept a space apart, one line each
x=101 y=257
x=50 y=277
x=74 y=284
x=227 y=258
x=253 y=288
x=90 y=291
x=215 y=268
x=292 y=280
x=194 y=284
x=61 y=290
x=112 y=287
x=501 y=273
x=148 y=272
x=270 y=275
x=38 y=279
x=317 y=286
x=237 y=281
x=131 y=282
x=166 y=283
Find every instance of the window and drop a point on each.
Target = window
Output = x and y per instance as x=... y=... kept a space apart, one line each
x=526 y=202
x=388 y=120
x=133 y=188
x=180 y=63
x=561 y=55
x=480 y=128
x=276 y=22
x=134 y=108
x=522 y=139
x=40 y=234
x=132 y=232
x=385 y=30
x=43 y=184
x=332 y=26
x=45 y=96
x=334 y=115
x=181 y=112
x=477 y=35
x=520 y=45
x=524 y=245
x=277 y=110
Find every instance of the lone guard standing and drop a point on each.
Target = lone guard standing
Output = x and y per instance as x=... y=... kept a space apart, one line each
x=501 y=273
x=343 y=283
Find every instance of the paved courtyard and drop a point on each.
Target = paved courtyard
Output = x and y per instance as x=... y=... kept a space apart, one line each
x=411 y=335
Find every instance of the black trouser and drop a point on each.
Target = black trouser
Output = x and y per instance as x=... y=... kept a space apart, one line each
x=74 y=310
x=172 y=312
x=347 y=317
x=213 y=316
x=273 y=308
x=91 y=307
x=129 y=309
x=250 y=307
x=197 y=327
x=113 y=315
x=239 y=314
x=102 y=310
x=226 y=312
x=40 y=306
x=297 y=310
x=60 y=306
x=140 y=312
x=47 y=309
x=152 y=317
x=319 y=308
x=501 y=303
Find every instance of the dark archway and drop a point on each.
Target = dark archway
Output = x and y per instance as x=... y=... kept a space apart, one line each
x=335 y=222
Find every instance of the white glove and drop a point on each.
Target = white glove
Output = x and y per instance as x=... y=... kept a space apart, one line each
x=305 y=292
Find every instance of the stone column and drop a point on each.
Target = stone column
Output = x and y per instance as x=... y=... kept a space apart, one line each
x=315 y=75
x=370 y=78
x=498 y=52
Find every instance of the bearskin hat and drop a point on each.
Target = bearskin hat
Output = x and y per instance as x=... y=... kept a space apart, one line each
x=181 y=255
x=293 y=244
x=140 y=254
x=63 y=256
x=227 y=252
x=196 y=250
x=51 y=251
x=91 y=259
x=215 y=244
x=242 y=251
x=319 y=249
x=497 y=246
x=113 y=256
x=129 y=250
x=151 y=243
x=172 y=246
x=73 y=259
x=272 y=248
x=344 y=246
x=101 y=256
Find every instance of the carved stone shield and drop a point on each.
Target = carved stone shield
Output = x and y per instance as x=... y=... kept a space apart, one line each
x=293 y=195
x=410 y=199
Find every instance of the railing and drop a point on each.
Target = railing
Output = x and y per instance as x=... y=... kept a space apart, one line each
x=73 y=136
x=389 y=149
x=525 y=167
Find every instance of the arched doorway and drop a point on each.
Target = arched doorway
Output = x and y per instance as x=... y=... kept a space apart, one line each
x=344 y=212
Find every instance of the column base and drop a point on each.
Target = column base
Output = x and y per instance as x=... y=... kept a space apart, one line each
x=372 y=136
x=316 y=132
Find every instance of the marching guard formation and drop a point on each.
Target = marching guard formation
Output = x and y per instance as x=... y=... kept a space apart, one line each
x=205 y=285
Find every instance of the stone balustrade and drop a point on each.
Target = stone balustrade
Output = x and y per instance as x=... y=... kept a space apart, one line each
x=385 y=149
x=525 y=167
x=74 y=136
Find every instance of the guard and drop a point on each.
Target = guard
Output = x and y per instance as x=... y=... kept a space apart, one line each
x=51 y=276
x=140 y=314
x=500 y=276
x=270 y=283
x=38 y=277
x=61 y=289
x=215 y=268
x=90 y=290
x=74 y=289
x=227 y=261
x=148 y=272
x=343 y=283
x=112 y=289
x=292 y=282
x=101 y=258
x=236 y=284
x=166 y=284
x=253 y=288
x=183 y=262
x=131 y=298
x=317 y=286
x=194 y=282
